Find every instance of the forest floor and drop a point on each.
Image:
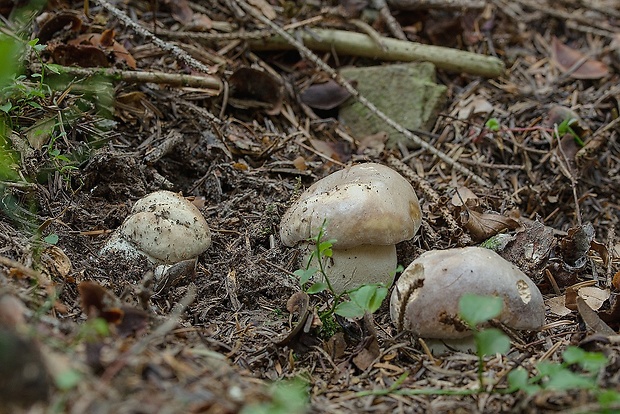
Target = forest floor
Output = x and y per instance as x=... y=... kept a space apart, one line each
x=539 y=139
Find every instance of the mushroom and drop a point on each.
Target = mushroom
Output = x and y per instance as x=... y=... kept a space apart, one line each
x=367 y=209
x=163 y=227
x=425 y=299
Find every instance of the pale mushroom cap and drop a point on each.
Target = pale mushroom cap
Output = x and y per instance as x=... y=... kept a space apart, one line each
x=368 y=204
x=165 y=227
x=425 y=299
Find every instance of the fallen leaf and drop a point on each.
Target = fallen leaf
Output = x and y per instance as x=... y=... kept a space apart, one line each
x=475 y=106
x=575 y=246
x=566 y=57
x=464 y=195
x=253 y=88
x=615 y=281
x=367 y=354
x=592 y=320
x=336 y=346
x=80 y=55
x=64 y=20
x=104 y=42
x=97 y=301
x=593 y=296
x=556 y=306
x=481 y=226
x=56 y=261
x=327 y=95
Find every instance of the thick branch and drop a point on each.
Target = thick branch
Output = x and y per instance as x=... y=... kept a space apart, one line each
x=358 y=44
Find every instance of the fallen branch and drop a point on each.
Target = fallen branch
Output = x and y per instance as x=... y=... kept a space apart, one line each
x=308 y=54
x=358 y=44
x=174 y=79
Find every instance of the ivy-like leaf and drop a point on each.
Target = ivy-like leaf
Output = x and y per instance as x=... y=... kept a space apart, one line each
x=304 y=275
x=492 y=341
x=589 y=361
x=349 y=310
x=476 y=309
x=316 y=288
x=518 y=379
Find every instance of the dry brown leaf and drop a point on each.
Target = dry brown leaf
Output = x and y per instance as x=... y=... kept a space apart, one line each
x=566 y=57
x=481 y=226
x=369 y=352
x=464 y=195
x=556 y=306
x=592 y=320
x=98 y=302
x=253 y=88
x=594 y=296
x=327 y=95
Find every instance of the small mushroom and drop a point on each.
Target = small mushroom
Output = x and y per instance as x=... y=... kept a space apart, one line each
x=163 y=227
x=367 y=209
x=426 y=298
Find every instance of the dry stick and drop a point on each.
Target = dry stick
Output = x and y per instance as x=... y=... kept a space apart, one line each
x=176 y=51
x=344 y=83
x=358 y=44
x=390 y=21
x=174 y=79
x=162 y=330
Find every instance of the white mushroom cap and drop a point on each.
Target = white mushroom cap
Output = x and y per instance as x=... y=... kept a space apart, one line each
x=425 y=299
x=164 y=227
x=367 y=204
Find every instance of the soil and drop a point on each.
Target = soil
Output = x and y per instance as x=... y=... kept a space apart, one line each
x=209 y=339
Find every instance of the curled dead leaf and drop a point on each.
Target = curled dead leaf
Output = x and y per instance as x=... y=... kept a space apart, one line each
x=481 y=226
x=566 y=57
x=592 y=320
x=327 y=95
x=253 y=88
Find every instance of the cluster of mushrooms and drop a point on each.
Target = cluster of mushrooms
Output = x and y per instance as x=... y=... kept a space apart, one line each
x=367 y=209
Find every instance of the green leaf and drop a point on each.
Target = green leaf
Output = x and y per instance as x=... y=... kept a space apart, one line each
x=377 y=299
x=608 y=397
x=492 y=124
x=6 y=107
x=476 y=309
x=349 y=310
x=51 y=238
x=492 y=341
x=316 y=288
x=518 y=379
x=67 y=379
x=363 y=295
x=304 y=275
x=559 y=377
x=589 y=361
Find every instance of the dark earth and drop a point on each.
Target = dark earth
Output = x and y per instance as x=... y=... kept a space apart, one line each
x=208 y=338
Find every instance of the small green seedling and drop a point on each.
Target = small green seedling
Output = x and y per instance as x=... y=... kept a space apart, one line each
x=492 y=124
x=363 y=299
x=287 y=397
x=475 y=310
x=566 y=127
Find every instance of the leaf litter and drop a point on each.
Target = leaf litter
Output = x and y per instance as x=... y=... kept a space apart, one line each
x=197 y=352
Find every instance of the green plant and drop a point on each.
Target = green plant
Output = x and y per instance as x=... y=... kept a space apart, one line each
x=475 y=310
x=366 y=298
x=566 y=127
x=287 y=397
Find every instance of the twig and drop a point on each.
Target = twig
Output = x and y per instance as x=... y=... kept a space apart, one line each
x=176 y=51
x=344 y=83
x=161 y=330
x=358 y=44
x=174 y=79
x=390 y=21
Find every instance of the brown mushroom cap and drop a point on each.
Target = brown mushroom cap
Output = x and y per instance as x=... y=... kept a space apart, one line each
x=367 y=204
x=425 y=299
